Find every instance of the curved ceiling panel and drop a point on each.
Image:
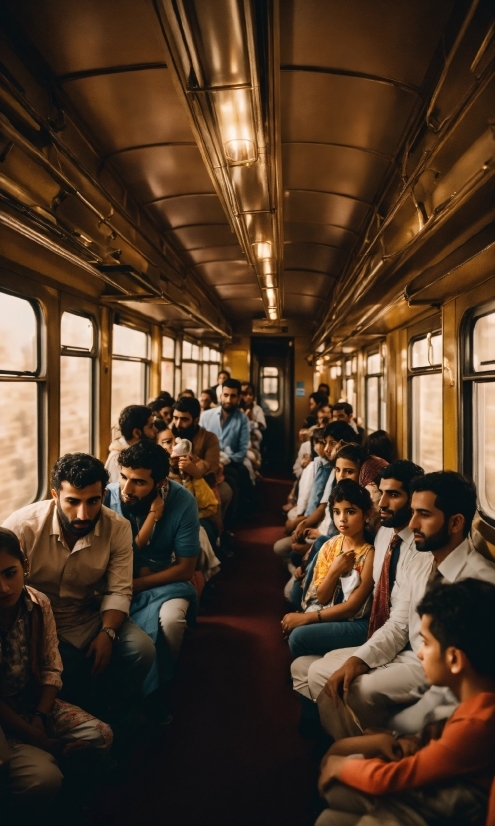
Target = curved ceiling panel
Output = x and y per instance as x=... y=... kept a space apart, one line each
x=314 y=257
x=185 y=210
x=309 y=283
x=244 y=307
x=318 y=234
x=205 y=235
x=131 y=108
x=325 y=207
x=351 y=111
x=226 y=272
x=339 y=169
x=207 y=254
x=235 y=291
x=157 y=171
x=298 y=305
x=378 y=38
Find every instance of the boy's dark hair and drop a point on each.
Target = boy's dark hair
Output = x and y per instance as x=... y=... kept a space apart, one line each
x=211 y=394
x=454 y=494
x=233 y=384
x=345 y=406
x=354 y=453
x=340 y=431
x=161 y=425
x=146 y=454
x=350 y=491
x=11 y=545
x=321 y=385
x=188 y=405
x=247 y=386
x=404 y=471
x=134 y=416
x=380 y=444
x=225 y=373
x=316 y=436
x=463 y=616
x=319 y=398
x=163 y=400
x=187 y=394
x=79 y=470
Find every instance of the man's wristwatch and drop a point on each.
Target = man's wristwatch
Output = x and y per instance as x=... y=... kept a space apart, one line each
x=111 y=633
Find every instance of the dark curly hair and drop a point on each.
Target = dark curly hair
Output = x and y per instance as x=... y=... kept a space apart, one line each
x=134 y=417
x=146 y=454
x=349 y=491
x=80 y=470
x=11 y=545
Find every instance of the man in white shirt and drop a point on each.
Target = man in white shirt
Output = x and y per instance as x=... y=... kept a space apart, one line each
x=368 y=686
x=394 y=543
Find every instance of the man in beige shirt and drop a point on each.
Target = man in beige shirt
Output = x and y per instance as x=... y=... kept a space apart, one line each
x=80 y=555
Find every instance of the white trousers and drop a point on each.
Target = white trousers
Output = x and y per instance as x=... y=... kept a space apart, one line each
x=348 y=807
x=172 y=618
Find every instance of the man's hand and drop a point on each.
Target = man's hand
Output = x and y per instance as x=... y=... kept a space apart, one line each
x=330 y=770
x=409 y=744
x=101 y=647
x=299 y=573
x=186 y=465
x=293 y=620
x=157 y=507
x=298 y=532
x=339 y=683
x=306 y=458
x=311 y=533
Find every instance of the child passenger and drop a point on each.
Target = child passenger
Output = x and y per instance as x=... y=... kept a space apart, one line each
x=337 y=601
x=418 y=780
x=39 y=728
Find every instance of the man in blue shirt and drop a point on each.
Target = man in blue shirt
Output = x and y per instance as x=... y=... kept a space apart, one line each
x=165 y=528
x=231 y=425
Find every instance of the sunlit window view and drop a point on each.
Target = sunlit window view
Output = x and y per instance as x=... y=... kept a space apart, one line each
x=76 y=384
x=18 y=403
x=483 y=361
x=427 y=432
x=269 y=396
x=129 y=369
x=190 y=376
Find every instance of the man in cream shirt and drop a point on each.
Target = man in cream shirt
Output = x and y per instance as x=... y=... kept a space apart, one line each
x=310 y=673
x=368 y=686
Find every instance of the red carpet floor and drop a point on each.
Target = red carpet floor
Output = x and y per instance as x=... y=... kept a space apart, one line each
x=232 y=756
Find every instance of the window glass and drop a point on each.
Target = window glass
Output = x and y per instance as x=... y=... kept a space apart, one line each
x=270 y=388
x=354 y=364
x=484 y=343
x=372 y=403
x=374 y=363
x=206 y=353
x=167 y=380
x=76 y=332
x=128 y=385
x=484 y=445
x=350 y=392
x=213 y=374
x=18 y=443
x=427 y=351
x=427 y=435
x=18 y=340
x=168 y=347
x=75 y=404
x=186 y=349
x=348 y=367
x=190 y=377
x=129 y=342
x=195 y=352
x=177 y=379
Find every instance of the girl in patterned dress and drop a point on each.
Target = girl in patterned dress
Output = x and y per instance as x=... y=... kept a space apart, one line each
x=337 y=602
x=38 y=728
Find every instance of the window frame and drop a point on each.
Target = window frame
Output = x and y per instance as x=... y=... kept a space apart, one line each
x=432 y=330
x=470 y=377
x=77 y=352
x=168 y=360
x=375 y=349
x=125 y=322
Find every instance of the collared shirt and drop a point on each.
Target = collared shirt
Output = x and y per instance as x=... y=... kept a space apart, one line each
x=233 y=433
x=323 y=470
x=327 y=526
x=99 y=562
x=407 y=553
x=404 y=622
x=206 y=447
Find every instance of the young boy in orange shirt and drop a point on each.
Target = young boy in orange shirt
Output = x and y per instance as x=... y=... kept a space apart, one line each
x=422 y=781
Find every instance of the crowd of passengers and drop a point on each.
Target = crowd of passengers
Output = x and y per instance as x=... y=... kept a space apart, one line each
x=98 y=584
x=391 y=629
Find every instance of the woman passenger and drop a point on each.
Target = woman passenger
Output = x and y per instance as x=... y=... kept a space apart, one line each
x=337 y=602
x=39 y=728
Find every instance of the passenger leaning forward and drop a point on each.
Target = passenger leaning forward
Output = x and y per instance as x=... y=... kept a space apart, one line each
x=80 y=556
x=165 y=529
x=384 y=675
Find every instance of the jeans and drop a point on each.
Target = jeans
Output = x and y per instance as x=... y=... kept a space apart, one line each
x=132 y=657
x=322 y=637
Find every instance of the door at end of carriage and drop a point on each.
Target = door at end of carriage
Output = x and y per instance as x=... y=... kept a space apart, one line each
x=272 y=366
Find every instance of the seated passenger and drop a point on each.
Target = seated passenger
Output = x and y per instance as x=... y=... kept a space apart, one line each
x=207 y=399
x=135 y=422
x=162 y=408
x=39 y=728
x=77 y=549
x=324 y=390
x=417 y=781
x=385 y=674
x=296 y=515
x=257 y=424
x=354 y=462
x=343 y=412
x=337 y=601
x=187 y=394
x=165 y=529
x=314 y=401
x=380 y=444
x=217 y=389
x=205 y=498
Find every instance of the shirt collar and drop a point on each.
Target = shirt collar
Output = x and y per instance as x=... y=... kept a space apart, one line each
x=406 y=535
x=452 y=566
x=56 y=529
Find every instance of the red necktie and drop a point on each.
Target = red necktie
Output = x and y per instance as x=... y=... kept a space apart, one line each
x=380 y=610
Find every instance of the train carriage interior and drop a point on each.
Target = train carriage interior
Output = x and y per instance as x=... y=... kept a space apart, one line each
x=247 y=276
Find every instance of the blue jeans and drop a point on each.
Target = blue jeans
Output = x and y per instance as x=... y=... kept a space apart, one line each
x=322 y=637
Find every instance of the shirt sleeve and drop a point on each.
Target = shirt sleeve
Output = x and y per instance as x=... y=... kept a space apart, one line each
x=210 y=462
x=51 y=665
x=465 y=748
x=243 y=440
x=186 y=539
x=392 y=637
x=325 y=558
x=118 y=585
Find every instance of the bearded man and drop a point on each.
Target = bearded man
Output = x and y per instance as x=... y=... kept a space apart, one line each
x=77 y=548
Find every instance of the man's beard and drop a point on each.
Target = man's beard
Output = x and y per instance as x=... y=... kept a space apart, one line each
x=398 y=519
x=185 y=432
x=435 y=542
x=68 y=526
x=229 y=409
x=140 y=507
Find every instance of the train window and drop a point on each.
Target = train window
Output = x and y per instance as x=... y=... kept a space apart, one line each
x=375 y=390
x=167 y=370
x=19 y=381
x=426 y=392
x=270 y=396
x=76 y=383
x=479 y=398
x=211 y=366
x=350 y=382
x=186 y=350
x=130 y=367
x=189 y=367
